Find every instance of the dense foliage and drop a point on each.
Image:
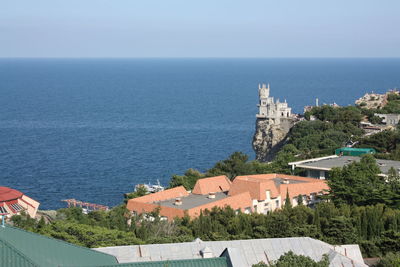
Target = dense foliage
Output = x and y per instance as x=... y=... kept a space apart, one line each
x=320 y=138
x=140 y=190
x=289 y=259
x=386 y=143
x=392 y=106
x=391 y=259
x=359 y=183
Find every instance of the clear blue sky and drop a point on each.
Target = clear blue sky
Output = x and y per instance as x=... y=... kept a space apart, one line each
x=207 y=28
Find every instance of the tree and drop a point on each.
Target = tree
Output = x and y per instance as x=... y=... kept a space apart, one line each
x=300 y=199
x=289 y=259
x=288 y=203
x=349 y=184
x=390 y=260
x=233 y=166
x=188 y=180
x=141 y=190
x=317 y=221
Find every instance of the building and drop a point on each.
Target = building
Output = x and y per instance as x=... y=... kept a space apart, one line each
x=239 y=253
x=270 y=109
x=19 y=248
x=389 y=119
x=319 y=167
x=268 y=191
x=13 y=202
x=253 y=193
x=351 y=151
x=176 y=202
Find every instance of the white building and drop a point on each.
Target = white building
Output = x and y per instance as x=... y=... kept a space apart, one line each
x=270 y=109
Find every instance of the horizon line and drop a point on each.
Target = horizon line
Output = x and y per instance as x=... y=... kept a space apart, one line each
x=178 y=57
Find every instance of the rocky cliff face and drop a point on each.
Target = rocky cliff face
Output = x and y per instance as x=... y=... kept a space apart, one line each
x=269 y=138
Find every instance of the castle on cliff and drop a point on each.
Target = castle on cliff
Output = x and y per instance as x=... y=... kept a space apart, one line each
x=274 y=121
x=269 y=109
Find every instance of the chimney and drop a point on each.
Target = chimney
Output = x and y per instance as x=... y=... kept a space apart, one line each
x=206 y=253
x=178 y=201
x=211 y=195
x=285 y=181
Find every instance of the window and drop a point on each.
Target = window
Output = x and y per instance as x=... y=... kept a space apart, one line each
x=266 y=210
x=17 y=207
x=3 y=210
x=277 y=203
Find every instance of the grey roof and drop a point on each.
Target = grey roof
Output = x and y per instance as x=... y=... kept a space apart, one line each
x=192 y=200
x=279 y=181
x=251 y=251
x=327 y=163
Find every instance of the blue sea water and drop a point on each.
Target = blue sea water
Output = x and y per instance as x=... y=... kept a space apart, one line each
x=91 y=129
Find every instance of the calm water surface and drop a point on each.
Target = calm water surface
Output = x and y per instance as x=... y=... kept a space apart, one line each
x=92 y=129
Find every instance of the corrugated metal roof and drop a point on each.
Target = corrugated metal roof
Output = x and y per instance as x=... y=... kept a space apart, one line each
x=252 y=250
x=10 y=257
x=211 y=262
x=21 y=248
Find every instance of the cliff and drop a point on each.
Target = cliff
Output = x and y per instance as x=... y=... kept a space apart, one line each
x=269 y=138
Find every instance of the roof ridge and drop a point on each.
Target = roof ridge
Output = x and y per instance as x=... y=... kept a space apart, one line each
x=222 y=258
x=188 y=242
x=25 y=257
x=58 y=240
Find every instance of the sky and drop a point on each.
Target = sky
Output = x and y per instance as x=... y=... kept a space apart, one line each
x=207 y=28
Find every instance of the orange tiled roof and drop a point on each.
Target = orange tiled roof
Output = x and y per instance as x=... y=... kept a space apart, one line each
x=239 y=201
x=258 y=184
x=172 y=193
x=242 y=191
x=212 y=185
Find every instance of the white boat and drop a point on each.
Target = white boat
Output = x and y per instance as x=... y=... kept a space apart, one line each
x=151 y=188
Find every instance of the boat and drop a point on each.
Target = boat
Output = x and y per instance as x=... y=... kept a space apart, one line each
x=151 y=188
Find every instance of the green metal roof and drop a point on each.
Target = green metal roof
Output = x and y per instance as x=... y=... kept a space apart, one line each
x=352 y=151
x=20 y=248
x=9 y=256
x=355 y=149
x=210 y=262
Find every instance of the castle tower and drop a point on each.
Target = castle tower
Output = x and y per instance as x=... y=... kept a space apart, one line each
x=263 y=90
x=269 y=109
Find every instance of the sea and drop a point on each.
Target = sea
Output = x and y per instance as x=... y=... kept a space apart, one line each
x=91 y=129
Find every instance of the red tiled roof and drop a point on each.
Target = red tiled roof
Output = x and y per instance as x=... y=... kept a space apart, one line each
x=212 y=185
x=172 y=193
x=7 y=194
x=242 y=192
x=258 y=184
x=239 y=201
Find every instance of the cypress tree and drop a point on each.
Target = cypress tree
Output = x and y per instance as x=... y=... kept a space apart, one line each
x=364 y=224
x=317 y=221
x=300 y=199
x=288 y=203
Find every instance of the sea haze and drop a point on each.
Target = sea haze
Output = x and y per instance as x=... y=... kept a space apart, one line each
x=91 y=129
